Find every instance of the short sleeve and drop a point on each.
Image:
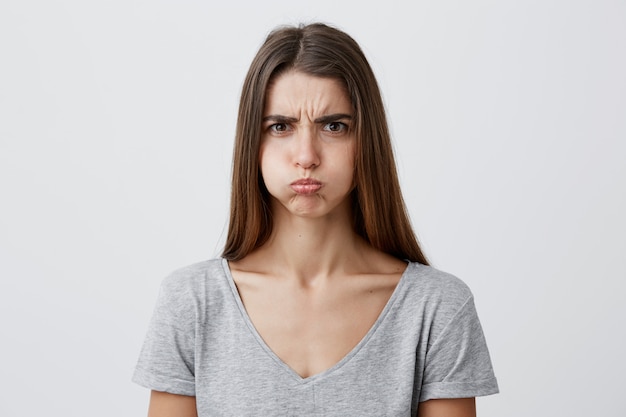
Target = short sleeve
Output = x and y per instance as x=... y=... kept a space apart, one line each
x=167 y=359
x=458 y=364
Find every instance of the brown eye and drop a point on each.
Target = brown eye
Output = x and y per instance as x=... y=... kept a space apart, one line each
x=278 y=127
x=336 y=127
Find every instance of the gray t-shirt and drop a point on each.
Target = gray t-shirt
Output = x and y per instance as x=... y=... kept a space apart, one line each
x=427 y=343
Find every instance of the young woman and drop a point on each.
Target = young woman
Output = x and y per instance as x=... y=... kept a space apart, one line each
x=322 y=302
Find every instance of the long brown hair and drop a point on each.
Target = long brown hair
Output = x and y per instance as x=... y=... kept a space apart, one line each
x=380 y=215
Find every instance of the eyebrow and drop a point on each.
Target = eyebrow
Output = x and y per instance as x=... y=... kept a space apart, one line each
x=333 y=118
x=323 y=119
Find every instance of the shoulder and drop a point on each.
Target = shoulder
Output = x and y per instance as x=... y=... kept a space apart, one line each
x=434 y=297
x=436 y=285
x=190 y=285
x=193 y=274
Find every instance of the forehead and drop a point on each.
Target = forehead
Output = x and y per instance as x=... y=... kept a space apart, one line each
x=295 y=91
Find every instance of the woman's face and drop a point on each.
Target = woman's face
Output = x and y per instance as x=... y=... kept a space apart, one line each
x=307 y=145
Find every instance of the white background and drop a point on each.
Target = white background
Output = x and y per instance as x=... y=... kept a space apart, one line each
x=116 y=129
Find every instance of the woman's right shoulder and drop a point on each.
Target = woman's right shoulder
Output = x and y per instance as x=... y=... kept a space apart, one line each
x=195 y=279
x=196 y=270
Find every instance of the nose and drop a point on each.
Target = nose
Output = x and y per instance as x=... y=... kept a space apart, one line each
x=306 y=154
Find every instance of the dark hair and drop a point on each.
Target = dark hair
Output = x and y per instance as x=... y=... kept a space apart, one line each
x=317 y=49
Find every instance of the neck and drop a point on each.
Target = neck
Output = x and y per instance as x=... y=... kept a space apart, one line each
x=312 y=248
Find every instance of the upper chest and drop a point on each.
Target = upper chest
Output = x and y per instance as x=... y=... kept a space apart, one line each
x=311 y=330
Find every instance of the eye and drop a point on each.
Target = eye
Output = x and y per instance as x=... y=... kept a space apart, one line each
x=336 y=127
x=278 y=128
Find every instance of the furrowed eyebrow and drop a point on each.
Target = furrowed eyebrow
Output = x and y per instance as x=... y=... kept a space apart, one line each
x=333 y=118
x=276 y=118
x=279 y=119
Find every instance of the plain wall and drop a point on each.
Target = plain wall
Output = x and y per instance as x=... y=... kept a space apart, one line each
x=116 y=130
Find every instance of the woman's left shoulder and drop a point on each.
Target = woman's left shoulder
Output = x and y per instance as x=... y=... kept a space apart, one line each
x=436 y=285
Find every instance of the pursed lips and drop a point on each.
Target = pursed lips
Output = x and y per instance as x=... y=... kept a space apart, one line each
x=306 y=186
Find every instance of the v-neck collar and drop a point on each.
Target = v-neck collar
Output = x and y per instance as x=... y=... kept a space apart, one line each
x=343 y=361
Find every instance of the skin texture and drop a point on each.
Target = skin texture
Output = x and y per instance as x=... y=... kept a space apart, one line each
x=163 y=404
x=306 y=121
x=458 y=407
x=315 y=288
